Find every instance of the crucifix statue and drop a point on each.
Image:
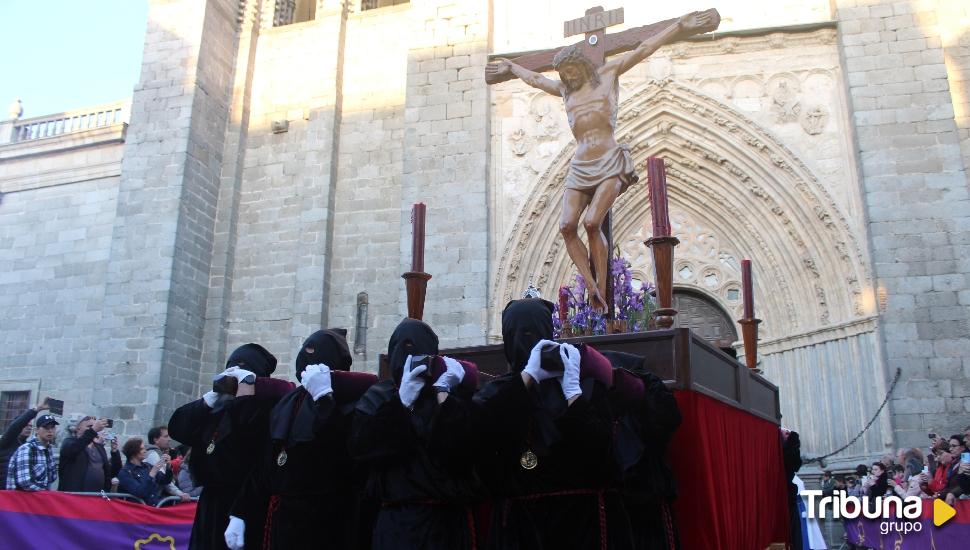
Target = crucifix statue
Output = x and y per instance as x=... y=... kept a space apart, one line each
x=601 y=168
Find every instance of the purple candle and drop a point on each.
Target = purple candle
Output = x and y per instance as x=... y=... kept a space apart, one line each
x=748 y=289
x=657 y=180
x=418 y=213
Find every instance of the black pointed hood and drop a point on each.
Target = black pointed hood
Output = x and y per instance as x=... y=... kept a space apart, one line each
x=327 y=346
x=524 y=323
x=411 y=337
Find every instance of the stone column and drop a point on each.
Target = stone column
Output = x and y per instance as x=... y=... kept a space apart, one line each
x=915 y=189
x=161 y=249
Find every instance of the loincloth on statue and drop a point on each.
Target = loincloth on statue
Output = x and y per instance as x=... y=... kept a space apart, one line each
x=586 y=175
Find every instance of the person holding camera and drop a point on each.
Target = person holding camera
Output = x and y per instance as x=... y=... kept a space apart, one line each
x=33 y=467
x=307 y=474
x=227 y=430
x=17 y=434
x=141 y=479
x=85 y=467
x=159 y=444
x=414 y=436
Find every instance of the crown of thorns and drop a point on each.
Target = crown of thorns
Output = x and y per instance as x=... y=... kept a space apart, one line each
x=572 y=54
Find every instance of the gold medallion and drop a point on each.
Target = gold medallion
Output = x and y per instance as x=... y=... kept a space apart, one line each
x=210 y=448
x=528 y=460
x=281 y=459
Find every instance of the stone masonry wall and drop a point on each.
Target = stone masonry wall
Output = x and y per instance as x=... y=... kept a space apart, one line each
x=954 y=21
x=368 y=221
x=54 y=245
x=445 y=149
x=278 y=294
x=157 y=279
x=915 y=188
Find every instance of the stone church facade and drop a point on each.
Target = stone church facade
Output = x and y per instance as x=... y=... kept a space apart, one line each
x=258 y=186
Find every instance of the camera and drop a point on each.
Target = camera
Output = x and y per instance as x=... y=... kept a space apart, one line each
x=229 y=384
x=552 y=360
x=426 y=360
x=225 y=385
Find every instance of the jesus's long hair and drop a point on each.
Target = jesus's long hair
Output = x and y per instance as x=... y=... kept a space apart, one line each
x=574 y=55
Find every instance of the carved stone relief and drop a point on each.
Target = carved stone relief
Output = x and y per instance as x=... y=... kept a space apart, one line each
x=814 y=119
x=784 y=103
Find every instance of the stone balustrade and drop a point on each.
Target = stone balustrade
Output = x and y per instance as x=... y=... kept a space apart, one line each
x=79 y=120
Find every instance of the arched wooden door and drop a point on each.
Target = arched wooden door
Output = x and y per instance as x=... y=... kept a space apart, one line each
x=705 y=317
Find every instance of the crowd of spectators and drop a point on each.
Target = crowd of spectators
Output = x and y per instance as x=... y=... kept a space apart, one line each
x=936 y=472
x=89 y=459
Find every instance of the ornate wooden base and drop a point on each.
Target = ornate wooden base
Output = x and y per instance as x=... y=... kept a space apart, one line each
x=665 y=316
x=749 y=335
x=416 y=284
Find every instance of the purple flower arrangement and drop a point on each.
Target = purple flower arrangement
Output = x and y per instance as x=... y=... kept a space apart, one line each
x=632 y=306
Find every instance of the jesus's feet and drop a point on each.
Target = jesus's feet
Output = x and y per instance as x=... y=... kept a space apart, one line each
x=596 y=301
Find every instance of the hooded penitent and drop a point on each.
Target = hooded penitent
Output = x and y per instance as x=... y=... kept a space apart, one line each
x=411 y=337
x=327 y=346
x=293 y=420
x=524 y=323
x=252 y=357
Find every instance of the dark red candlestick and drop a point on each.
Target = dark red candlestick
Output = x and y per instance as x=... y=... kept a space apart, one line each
x=418 y=213
x=748 y=289
x=657 y=179
x=563 y=301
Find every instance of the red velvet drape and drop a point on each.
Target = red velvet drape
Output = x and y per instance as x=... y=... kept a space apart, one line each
x=730 y=475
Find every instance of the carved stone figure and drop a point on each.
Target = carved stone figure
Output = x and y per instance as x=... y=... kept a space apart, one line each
x=784 y=104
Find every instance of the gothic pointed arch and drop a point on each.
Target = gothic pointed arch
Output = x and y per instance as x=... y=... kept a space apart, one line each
x=735 y=191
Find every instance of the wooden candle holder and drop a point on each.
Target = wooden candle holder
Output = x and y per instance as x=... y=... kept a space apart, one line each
x=749 y=335
x=416 y=284
x=663 y=262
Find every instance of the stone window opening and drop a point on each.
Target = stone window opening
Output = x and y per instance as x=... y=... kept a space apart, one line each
x=12 y=405
x=289 y=12
x=375 y=4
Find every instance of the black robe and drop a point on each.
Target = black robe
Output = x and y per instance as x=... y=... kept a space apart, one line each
x=419 y=468
x=644 y=428
x=313 y=495
x=566 y=501
x=236 y=433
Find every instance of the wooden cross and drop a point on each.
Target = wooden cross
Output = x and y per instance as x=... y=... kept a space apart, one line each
x=593 y=24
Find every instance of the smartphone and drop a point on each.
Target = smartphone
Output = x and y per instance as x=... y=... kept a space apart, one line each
x=109 y=423
x=56 y=406
x=931 y=435
x=965 y=458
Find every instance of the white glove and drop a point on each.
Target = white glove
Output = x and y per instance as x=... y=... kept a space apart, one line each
x=570 y=377
x=210 y=398
x=534 y=367
x=235 y=533
x=238 y=373
x=316 y=380
x=411 y=383
x=452 y=376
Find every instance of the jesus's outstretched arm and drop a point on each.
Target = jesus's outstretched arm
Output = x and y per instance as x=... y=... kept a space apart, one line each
x=688 y=25
x=501 y=67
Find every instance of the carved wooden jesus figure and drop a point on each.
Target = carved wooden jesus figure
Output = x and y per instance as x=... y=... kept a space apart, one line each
x=601 y=168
